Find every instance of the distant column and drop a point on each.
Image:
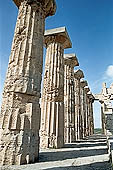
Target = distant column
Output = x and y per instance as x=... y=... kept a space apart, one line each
x=20 y=112
x=52 y=104
x=70 y=61
x=87 y=109
x=83 y=83
x=78 y=74
x=91 y=120
x=103 y=117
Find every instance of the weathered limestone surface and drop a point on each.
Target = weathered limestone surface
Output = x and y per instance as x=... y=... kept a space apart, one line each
x=52 y=104
x=20 y=112
x=70 y=61
x=90 y=117
x=86 y=88
x=78 y=74
x=83 y=83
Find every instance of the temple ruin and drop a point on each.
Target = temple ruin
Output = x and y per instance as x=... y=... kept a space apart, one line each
x=65 y=113
x=20 y=112
x=106 y=98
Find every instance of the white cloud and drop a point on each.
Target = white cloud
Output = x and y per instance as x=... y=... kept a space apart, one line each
x=109 y=71
x=106 y=76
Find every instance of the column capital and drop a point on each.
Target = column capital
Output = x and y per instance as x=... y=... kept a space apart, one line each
x=48 y=6
x=71 y=59
x=83 y=83
x=87 y=89
x=91 y=97
x=59 y=35
x=78 y=74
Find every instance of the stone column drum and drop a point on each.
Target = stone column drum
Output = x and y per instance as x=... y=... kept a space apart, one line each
x=78 y=74
x=20 y=112
x=70 y=60
x=52 y=104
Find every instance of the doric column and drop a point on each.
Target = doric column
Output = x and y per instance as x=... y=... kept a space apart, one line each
x=103 y=117
x=83 y=83
x=52 y=104
x=20 y=112
x=78 y=74
x=90 y=118
x=87 y=109
x=70 y=61
x=92 y=115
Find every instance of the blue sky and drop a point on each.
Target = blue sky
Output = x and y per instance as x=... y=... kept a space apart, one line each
x=90 y=27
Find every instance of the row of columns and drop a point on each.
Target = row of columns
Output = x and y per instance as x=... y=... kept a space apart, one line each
x=67 y=103
x=66 y=106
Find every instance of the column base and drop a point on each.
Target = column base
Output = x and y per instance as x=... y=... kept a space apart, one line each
x=18 y=147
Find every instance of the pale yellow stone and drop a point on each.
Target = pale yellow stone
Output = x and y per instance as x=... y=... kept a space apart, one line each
x=20 y=112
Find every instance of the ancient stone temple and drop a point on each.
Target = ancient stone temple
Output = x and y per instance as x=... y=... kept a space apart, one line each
x=78 y=74
x=70 y=61
x=52 y=104
x=20 y=112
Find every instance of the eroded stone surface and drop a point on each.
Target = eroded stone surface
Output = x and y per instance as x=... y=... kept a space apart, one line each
x=78 y=74
x=20 y=112
x=52 y=104
x=70 y=61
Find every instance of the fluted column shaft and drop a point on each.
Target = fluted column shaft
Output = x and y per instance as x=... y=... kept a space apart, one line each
x=90 y=113
x=78 y=74
x=52 y=104
x=69 y=105
x=103 y=117
x=85 y=114
x=70 y=61
x=77 y=109
x=82 y=111
x=20 y=112
x=92 y=119
x=86 y=111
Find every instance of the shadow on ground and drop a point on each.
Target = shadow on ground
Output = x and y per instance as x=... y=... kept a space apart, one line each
x=80 y=145
x=63 y=155
x=93 y=166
